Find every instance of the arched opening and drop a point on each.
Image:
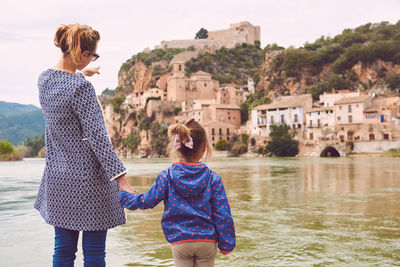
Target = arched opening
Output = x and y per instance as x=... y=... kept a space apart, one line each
x=330 y=152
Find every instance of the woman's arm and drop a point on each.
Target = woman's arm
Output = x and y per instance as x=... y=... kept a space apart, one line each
x=88 y=111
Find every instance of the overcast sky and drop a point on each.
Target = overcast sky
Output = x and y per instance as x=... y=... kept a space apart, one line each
x=127 y=27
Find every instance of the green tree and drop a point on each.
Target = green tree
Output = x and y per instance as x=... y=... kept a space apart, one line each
x=318 y=89
x=245 y=139
x=116 y=102
x=282 y=143
x=176 y=110
x=222 y=144
x=393 y=80
x=36 y=144
x=5 y=147
x=160 y=140
x=201 y=34
x=132 y=141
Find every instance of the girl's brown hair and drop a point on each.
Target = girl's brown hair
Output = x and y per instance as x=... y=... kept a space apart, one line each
x=188 y=129
x=73 y=39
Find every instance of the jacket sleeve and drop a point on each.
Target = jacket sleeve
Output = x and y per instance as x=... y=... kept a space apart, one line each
x=88 y=110
x=149 y=200
x=222 y=218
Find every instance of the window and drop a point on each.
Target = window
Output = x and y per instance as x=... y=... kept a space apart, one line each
x=282 y=118
x=295 y=118
x=385 y=136
x=349 y=108
x=371 y=137
x=229 y=118
x=370 y=115
x=272 y=119
x=180 y=67
x=299 y=126
x=220 y=131
x=213 y=138
x=213 y=132
x=311 y=136
x=205 y=84
x=340 y=107
x=227 y=132
x=310 y=123
x=338 y=118
x=350 y=118
x=318 y=123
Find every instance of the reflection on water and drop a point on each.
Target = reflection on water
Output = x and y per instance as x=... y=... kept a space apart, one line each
x=287 y=212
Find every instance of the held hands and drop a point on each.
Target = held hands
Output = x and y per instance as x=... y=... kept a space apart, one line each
x=124 y=185
x=91 y=71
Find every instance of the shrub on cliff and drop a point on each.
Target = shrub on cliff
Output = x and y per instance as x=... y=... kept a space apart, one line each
x=232 y=65
x=116 y=102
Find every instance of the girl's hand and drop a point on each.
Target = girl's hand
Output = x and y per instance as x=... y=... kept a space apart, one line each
x=91 y=71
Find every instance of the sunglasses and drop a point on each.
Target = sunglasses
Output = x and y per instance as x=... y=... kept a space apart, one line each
x=95 y=56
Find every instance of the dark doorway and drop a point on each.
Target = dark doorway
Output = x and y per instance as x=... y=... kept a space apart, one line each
x=330 y=152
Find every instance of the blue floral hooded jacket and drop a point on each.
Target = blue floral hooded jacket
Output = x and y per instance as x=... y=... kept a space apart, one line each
x=195 y=205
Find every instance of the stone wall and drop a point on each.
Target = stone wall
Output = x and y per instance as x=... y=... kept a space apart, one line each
x=375 y=146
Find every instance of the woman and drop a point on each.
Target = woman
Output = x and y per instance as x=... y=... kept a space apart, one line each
x=82 y=175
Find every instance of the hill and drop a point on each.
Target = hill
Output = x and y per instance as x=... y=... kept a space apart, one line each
x=19 y=122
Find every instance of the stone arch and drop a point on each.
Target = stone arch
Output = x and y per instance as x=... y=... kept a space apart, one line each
x=330 y=151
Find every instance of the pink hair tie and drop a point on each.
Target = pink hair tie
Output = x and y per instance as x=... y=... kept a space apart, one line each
x=177 y=142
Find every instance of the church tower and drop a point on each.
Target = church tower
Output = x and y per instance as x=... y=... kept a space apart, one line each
x=176 y=82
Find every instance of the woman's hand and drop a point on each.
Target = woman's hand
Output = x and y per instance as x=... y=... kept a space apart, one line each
x=124 y=185
x=91 y=71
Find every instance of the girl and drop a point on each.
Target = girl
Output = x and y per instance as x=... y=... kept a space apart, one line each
x=196 y=210
x=78 y=191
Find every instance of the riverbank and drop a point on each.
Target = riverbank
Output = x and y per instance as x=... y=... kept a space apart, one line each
x=385 y=154
x=14 y=156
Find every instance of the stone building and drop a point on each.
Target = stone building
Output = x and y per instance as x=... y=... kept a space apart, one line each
x=230 y=95
x=200 y=85
x=217 y=130
x=238 y=33
x=288 y=110
x=138 y=99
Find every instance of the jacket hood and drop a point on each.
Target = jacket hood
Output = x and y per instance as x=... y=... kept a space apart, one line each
x=190 y=179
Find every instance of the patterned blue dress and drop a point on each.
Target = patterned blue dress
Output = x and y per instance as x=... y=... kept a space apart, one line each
x=78 y=190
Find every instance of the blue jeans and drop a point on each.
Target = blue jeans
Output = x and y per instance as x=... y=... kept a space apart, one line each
x=66 y=245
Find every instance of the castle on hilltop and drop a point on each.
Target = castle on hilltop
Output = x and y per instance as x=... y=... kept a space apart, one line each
x=238 y=33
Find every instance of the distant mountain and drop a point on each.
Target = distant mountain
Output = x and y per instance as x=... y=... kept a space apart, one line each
x=19 y=122
x=9 y=109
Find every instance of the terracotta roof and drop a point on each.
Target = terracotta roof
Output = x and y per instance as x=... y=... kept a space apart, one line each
x=287 y=102
x=354 y=99
x=219 y=123
x=200 y=73
x=372 y=109
x=227 y=106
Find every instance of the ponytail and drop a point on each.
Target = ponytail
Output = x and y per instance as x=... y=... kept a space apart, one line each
x=73 y=39
x=189 y=131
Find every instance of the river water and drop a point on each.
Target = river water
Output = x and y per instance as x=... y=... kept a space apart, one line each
x=287 y=212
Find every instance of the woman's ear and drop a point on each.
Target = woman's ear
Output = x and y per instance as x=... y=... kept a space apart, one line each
x=85 y=54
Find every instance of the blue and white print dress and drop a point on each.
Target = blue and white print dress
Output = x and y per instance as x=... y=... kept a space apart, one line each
x=78 y=190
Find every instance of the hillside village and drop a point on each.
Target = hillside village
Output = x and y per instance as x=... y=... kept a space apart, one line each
x=336 y=122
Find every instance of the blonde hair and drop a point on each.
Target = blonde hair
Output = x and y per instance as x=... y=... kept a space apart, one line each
x=73 y=39
x=193 y=129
